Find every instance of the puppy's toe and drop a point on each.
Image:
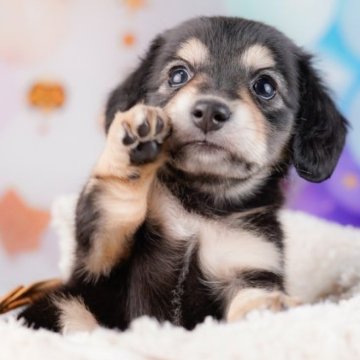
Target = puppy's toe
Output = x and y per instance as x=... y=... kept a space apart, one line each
x=278 y=301
x=150 y=123
x=145 y=152
x=257 y=299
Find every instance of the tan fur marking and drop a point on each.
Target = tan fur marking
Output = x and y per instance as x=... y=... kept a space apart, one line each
x=223 y=252
x=257 y=57
x=194 y=52
x=122 y=198
x=247 y=300
x=257 y=118
x=123 y=207
x=74 y=316
x=179 y=106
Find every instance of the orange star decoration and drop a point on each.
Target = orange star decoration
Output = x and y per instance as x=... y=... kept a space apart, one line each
x=21 y=226
x=134 y=4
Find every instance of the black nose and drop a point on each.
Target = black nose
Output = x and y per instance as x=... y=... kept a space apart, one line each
x=210 y=115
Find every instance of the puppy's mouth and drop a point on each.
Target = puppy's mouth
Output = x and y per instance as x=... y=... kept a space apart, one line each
x=203 y=145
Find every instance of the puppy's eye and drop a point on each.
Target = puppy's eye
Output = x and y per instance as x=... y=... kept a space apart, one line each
x=178 y=76
x=265 y=87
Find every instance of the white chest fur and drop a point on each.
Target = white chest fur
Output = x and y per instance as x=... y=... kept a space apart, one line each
x=223 y=250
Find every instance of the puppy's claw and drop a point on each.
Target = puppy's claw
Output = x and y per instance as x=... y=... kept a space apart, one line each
x=159 y=125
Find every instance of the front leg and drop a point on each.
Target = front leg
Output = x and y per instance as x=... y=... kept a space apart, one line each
x=113 y=204
x=110 y=209
x=263 y=290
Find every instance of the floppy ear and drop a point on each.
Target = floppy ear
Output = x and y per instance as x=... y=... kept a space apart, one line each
x=134 y=88
x=320 y=129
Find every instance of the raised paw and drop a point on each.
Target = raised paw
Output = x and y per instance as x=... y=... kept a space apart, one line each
x=248 y=300
x=144 y=129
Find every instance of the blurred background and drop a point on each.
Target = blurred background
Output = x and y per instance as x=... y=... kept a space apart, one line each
x=60 y=58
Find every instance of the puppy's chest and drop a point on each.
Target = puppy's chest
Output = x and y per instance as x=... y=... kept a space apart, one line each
x=223 y=249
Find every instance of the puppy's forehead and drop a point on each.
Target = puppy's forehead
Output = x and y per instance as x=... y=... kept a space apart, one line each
x=253 y=57
x=230 y=50
x=250 y=57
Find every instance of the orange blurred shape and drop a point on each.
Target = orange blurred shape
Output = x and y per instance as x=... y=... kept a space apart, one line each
x=47 y=95
x=350 y=181
x=134 y=4
x=129 y=39
x=21 y=226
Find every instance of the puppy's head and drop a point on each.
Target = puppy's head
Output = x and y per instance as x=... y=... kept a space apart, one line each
x=243 y=99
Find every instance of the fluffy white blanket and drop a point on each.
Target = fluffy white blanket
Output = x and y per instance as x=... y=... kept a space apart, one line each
x=323 y=270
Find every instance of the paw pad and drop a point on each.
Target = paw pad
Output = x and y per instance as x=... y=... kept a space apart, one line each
x=145 y=129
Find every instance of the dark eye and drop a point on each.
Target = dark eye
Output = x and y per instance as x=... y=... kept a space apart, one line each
x=178 y=76
x=265 y=87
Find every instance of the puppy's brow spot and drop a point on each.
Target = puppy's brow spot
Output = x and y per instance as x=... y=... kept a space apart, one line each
x=194 y=51
x=256 y=57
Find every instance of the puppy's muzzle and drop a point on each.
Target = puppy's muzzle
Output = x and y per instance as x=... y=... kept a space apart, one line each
x=210 y=115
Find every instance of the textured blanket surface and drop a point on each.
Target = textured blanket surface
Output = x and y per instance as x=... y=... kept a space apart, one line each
x=323 y=331
x=323 y=267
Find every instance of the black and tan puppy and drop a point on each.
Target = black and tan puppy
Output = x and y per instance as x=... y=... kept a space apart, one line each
x=179 y=218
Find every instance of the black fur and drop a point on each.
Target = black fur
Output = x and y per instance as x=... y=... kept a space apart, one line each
x=166 y=281
x=320 y=130
x=43 y=314
x=134 y=89
x=184 y=187
x=88 y=216
x=262 y=279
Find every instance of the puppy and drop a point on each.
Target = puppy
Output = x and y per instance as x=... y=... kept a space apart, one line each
x=179 y=218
